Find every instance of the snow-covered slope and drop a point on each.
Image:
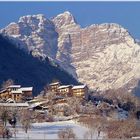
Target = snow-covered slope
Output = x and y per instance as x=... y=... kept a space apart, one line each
x=104 y=56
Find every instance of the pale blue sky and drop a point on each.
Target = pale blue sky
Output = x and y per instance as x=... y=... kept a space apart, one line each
x=126 y=14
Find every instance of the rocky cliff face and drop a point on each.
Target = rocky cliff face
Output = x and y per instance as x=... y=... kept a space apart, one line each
x=103 y=56
x=34 y=33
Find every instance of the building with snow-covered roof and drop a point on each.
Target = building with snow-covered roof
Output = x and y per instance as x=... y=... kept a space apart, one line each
x=13 y=91
x=79 y=90
x=68 y=90
x=14 y=86
x=27 y=92
x=16 y=93
x=54 y=86
x=27 y=88
x=65 y=90
x=54 y=83
x=14 y=104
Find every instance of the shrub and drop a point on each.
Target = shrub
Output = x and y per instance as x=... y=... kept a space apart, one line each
x=66 y=134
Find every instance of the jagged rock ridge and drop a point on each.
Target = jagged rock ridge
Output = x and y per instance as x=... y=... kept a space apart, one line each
x=103 y=56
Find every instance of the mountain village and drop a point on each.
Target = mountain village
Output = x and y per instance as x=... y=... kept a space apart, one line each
x=56 y=103
x=18 y=96
x=15 y=94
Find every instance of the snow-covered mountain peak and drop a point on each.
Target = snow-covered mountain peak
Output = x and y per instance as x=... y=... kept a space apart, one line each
x=34 y=33
x=101 y=55
x=64 y=19
x=28 y=18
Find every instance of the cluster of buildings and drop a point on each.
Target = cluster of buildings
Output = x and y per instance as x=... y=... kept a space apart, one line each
x=68 y=90
x=19 y=95
x=58 y=105
x=16 y=93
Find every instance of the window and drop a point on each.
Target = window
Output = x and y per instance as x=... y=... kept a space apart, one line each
x=14 y=97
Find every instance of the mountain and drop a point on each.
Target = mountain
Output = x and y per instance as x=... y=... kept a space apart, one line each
x=27 y=70
x=102 y=56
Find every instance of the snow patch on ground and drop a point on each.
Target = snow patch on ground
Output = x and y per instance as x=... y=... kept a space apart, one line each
x=49 y=130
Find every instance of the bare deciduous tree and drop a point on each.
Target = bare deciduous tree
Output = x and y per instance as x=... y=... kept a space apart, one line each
x=4 y=116
x=90 y=109
x=104 y=107
x=45 y=90
x=123 y=99
x=51 y=96
x=66 y=134
x=55 y=80
x=7 y=83
x=95 y=126
x=122 y=129
x=26 y=120
x=74 y=105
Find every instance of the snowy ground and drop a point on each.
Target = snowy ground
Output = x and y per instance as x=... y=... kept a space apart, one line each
x=49 y=130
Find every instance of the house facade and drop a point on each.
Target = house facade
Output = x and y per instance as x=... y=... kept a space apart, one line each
x=79 y=90
x=27 y=92
x=69 y=90
x=54 y=86
x=65 y=90
x=15 y=93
